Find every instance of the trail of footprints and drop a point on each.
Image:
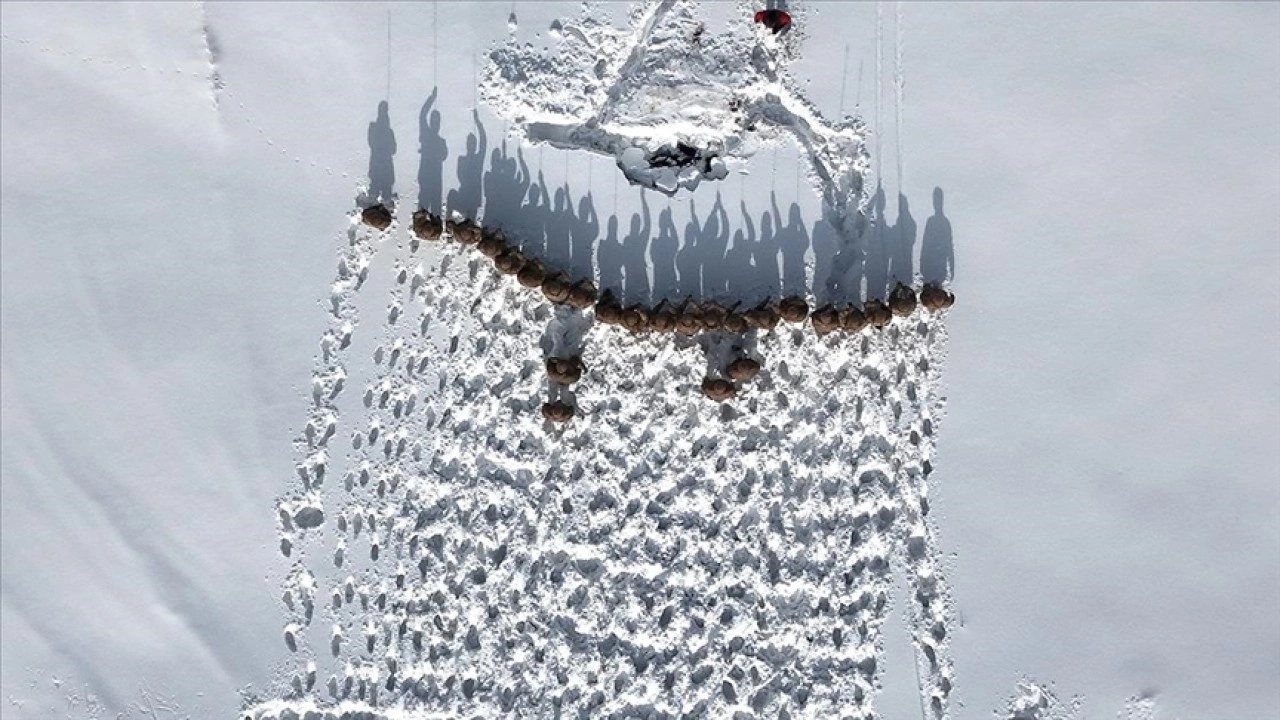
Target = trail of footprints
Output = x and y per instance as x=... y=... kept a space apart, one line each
x=304 y=510
x=661 y=556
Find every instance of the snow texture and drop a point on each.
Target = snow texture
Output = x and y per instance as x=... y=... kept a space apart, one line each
x=191 y=529
x=659 y=555
x=672 y=102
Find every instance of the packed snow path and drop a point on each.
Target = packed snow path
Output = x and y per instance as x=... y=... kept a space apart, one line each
x=659 y=556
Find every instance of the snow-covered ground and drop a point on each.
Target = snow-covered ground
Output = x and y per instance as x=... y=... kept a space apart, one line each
x=176 y=188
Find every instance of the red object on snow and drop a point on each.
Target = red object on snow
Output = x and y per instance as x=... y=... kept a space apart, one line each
x=775 y=20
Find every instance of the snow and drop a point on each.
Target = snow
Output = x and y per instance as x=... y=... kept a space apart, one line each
x=176 y=183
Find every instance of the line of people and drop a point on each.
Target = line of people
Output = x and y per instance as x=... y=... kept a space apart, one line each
x=688 y=318
x=771 y=254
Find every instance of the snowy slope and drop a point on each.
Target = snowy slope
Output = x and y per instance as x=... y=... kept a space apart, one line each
x=175 y=180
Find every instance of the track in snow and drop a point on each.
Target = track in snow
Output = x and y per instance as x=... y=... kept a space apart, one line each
x=660 y=555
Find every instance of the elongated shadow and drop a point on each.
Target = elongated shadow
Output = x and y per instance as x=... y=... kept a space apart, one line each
x=711 y=259
x=610 y=258
x=902 y=245
x=832 y=260
x=534 y=214
x=688 y=261
x=663 y=257
x=937 y=248
x=560 y=225
x=793 y=244
x=583 y=233
x=875 y=266
x=635 y=255
x=712 y=247
x=466 y=198
x=432 y=151
x=739 y=262
x=766 y=257
x=382 y=150
x=505 y=185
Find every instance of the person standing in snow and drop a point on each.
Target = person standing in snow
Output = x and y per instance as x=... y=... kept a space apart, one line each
x=775 y=18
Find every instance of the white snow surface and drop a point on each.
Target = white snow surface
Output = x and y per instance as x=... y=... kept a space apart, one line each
x=184 y=287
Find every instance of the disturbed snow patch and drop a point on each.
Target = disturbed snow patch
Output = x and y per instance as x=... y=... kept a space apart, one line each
x=1037 y=702
x=660 y=556
x=672 y=103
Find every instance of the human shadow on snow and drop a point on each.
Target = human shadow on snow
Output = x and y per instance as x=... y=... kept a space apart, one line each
x=711 y=240
x=584 y=230
x=664 y=248
x=382 y=150
x=778 y=254
x=739 y=260
x=466 y=198
x=506 y=183
x=901 y=246
x=937 y=249
x=559 y=226
x=534 y=216
x=792 y=241
x=432 y=152
x=635 y=256
x=875 y=256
